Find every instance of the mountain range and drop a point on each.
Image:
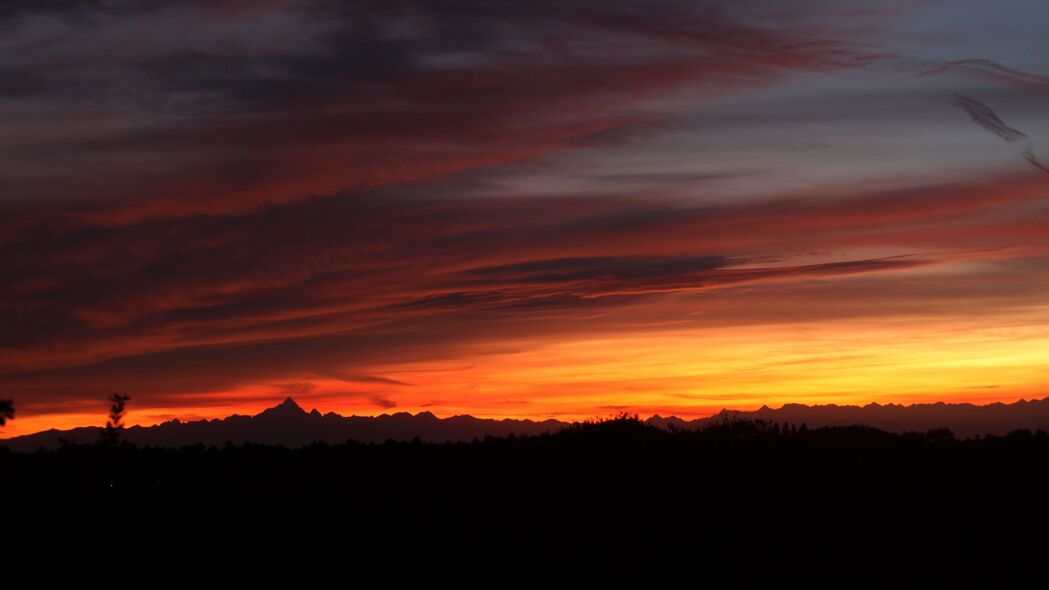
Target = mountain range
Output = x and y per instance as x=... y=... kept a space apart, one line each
x=963 y=419
x=288 y=424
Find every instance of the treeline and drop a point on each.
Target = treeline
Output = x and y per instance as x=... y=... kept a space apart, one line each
x=735 y=467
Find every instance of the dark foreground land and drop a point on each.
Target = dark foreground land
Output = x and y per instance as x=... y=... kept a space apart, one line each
x=738 y=471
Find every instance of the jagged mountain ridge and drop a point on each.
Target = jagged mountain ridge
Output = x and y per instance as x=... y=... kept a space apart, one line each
x=288 y=424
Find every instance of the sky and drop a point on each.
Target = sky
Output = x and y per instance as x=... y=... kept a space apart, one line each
x=520 y=209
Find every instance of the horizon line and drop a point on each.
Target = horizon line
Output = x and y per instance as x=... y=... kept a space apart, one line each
x=763 y=407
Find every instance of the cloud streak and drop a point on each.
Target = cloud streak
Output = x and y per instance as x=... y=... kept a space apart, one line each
x=1028 y=155
x=983 y=116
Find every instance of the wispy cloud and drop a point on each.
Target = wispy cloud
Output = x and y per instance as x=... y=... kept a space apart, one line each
x=983 y=116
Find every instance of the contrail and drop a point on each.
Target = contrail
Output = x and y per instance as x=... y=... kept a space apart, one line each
x=983 y=116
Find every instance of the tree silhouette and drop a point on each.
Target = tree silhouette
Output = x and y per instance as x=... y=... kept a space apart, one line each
x=7 y=410
x=115 y=425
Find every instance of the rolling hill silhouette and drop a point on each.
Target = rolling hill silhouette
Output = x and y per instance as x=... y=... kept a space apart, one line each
x=290 y=425
x=964 y=420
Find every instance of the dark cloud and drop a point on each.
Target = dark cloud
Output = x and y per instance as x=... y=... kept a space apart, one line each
x=1028 y=155
x=605 y=275
x=351 y=378
x=627 y=268
x=983 y=116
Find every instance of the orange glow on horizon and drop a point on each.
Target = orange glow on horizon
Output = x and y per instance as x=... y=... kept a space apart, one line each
x=689 y=373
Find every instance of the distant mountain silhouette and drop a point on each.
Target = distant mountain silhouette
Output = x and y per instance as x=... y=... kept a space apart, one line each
x=288 y=424
x=964 y=420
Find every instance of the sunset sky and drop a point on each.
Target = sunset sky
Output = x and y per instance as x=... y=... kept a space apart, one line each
x=520 y=209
